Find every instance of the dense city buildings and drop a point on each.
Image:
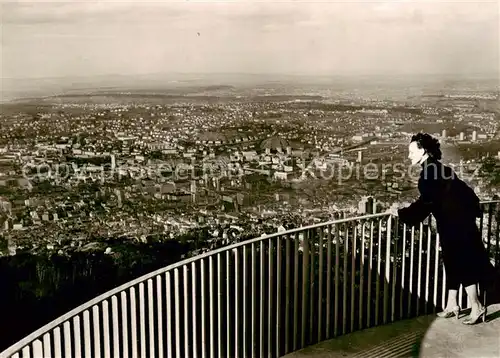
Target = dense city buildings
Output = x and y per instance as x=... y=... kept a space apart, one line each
x=77 y=169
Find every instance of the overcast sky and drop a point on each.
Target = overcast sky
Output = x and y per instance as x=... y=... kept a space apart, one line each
x=88 y=38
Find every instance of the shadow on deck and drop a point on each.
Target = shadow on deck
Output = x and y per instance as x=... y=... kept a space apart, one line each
x=426 y=336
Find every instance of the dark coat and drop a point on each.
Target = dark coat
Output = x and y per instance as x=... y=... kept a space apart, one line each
x=455 y=208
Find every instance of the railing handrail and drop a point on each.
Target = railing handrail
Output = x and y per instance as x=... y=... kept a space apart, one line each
x=74 y=312
x=489 y=202
x=61 y=319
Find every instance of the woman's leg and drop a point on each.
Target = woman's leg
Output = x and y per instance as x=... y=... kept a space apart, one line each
x=452 y=299
x=453 y=284
x=476 y=305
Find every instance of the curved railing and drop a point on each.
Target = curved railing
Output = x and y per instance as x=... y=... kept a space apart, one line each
x=263 y=297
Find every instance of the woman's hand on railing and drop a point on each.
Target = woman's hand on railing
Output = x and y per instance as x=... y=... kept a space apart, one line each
x=393 y=210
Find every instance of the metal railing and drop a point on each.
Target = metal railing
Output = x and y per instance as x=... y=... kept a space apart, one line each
x=264 y=297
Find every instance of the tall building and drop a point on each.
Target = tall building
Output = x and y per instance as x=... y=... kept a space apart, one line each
x=366 y=205
x=216 y=183
x=119 y=198
x=462 y=137
x=444 y=133
x=113 y=162
x=12 y=247
x=474 y=136
x=193 y=191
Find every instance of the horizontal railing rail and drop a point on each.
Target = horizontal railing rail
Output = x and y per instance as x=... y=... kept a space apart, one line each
x=266 y=296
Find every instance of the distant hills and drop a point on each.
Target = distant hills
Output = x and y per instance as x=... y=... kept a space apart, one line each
x=183 y=83
x=153 y=98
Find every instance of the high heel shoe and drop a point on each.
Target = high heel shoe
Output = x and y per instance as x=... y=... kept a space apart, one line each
x=455 y=311
x=473 y=319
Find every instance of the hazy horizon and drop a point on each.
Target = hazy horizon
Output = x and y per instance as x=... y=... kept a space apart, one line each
x=18 y=89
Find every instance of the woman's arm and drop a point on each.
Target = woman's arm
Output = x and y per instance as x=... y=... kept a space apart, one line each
x=422 y=207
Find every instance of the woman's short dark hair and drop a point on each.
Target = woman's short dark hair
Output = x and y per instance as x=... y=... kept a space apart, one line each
x=428 y=143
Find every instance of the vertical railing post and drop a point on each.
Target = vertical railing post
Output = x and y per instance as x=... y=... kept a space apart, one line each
x=328 y=281
x=177 y=305
x=168 y=293
x=253 y=295
x=419 y=280
x=320 y=286
x=228 y=306
x=193 y=318
x=278 y=296
x=305 y=285
x=344 y=280
x=387 y=276
x=403 y=276
x=86 y=333
x=337 y=268
x=370 y=269
x=236 y=303
x=436 y=273
x=262 y=280
x=97 y=334
x=185 y=279
x=379 y=273
x=361 y=275
x=296 y=293
x=245 y=283
x=312 y=247
x=353 y=273
x=443 y=291
x=481 y=224
x=488 y=235
x=211 y=299
x=412 y=259
x=460 y=296
x=270 y=308
x=159 y=313
x=428 y=265
x=287 y=293
x=394 y=231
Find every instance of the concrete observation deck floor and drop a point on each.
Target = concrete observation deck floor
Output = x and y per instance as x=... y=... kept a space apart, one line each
x=426 y=336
